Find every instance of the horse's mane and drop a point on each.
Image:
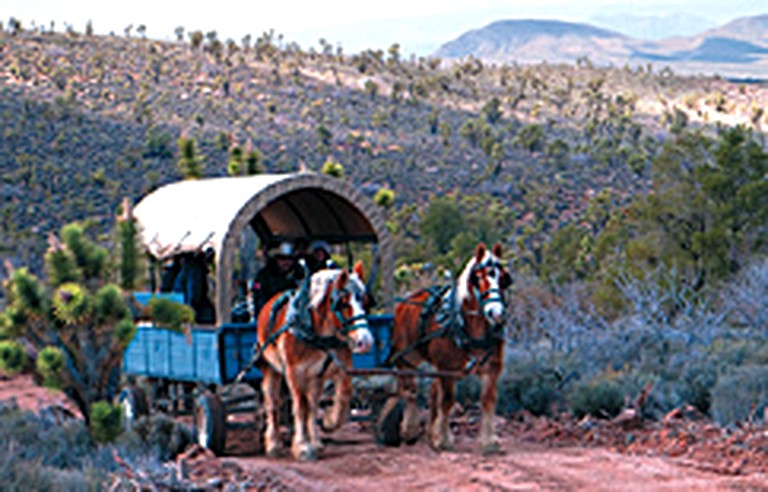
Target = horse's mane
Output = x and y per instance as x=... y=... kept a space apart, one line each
x=323 y=278
x=462 y=288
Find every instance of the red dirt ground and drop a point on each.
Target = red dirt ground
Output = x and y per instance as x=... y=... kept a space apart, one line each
x=683 y=452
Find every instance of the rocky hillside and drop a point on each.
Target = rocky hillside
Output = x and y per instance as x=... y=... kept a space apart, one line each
x=88 y=120
x=738 y=49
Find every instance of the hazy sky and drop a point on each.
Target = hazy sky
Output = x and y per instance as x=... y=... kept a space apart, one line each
x=419 y=26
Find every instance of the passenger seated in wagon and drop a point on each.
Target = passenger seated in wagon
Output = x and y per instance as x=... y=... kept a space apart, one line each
x=280 y=273
x=188 y=275
x=320 y=256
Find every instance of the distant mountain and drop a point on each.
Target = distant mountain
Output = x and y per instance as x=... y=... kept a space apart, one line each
x=534 y=41
x=751 y=29
x=654 y=27
x=736 y=49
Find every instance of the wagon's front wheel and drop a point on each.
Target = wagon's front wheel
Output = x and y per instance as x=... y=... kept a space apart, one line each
x=386 y=421
x=133 y=401
x=211 y=422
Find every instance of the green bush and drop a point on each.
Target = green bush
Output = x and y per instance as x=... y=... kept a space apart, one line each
x=157 y=435
x=739 y=394
x=169 y=314
x=600 y=398
x=42 y=453
x=468 y=391
x=528 y=386
x=534 y=394
x=333 y=169
x=695 y=385
x=106 y=421
x=12 y=357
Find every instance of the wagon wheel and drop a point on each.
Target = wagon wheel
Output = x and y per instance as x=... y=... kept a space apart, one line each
x=386 y=421
x=133 y=400
x=211 y=422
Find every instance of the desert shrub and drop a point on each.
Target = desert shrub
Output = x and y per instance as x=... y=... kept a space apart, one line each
x=696 y=383
x=333 y=169
x=157 y=436
x=170 y=314
x=106 y=421
x=538 y=395
x=601 y=397
x=468 y=391
x=12 y=357
x=529 y=385
x=43 y=453
x=740 y=394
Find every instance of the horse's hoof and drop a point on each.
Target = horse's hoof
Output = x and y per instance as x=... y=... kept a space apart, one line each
x=328 y=427
x=442 y=445
x=307 y=454
x=411 y=439
x=273 y=452
x=318 y=446
x=490 y=448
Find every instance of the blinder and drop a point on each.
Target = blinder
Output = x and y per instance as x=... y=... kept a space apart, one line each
x=347 y=324
x=506 y=280
x=490 y=295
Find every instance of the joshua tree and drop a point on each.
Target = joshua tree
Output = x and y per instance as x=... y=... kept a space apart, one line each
x=190 y=164
x=78 y=322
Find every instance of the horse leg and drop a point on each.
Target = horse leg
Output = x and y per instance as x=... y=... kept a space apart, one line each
x=313 y=398
x=489 y=441
x=270 y=386
x=301 y=448
x=342 y=396
x=409 y=427
x=441 y=404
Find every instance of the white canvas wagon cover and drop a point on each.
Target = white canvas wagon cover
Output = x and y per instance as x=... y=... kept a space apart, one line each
x=212 y=213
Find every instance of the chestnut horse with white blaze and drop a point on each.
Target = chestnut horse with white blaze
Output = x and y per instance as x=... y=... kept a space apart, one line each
x=459 y=330
x=297 y=339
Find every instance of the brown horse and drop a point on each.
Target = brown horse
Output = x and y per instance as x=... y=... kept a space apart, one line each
x=457 y=330
x=297 y=339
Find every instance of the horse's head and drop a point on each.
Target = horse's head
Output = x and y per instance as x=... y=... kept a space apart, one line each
x=486 y=278
x=344 y=296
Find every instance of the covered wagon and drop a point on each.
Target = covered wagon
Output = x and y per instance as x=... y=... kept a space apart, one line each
x=226 y=220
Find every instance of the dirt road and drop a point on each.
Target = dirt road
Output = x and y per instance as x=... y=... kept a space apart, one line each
x=351 y=460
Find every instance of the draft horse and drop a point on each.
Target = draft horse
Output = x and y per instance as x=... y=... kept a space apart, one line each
x=303 y=336
x=457 y=330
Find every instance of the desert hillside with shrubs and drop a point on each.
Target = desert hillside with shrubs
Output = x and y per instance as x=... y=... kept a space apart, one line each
x=632 y=202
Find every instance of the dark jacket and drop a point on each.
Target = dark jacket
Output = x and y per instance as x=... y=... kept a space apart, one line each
x=270 y=280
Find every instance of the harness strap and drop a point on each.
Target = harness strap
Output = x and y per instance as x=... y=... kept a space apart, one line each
x=430 y=306
x=309 y=337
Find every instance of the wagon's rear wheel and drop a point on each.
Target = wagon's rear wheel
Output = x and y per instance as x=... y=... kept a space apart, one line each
x=386 y=421
x=133 y=400
x=211 y=423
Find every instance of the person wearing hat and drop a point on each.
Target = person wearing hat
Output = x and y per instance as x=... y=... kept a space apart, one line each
x=280 y=273
x=320 y=256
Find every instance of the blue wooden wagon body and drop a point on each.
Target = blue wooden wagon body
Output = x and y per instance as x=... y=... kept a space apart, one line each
x=216 y=356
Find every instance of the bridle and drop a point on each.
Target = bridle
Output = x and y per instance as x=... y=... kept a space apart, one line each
x=351 y=323
x=494 y=294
